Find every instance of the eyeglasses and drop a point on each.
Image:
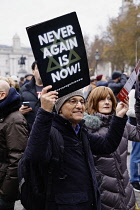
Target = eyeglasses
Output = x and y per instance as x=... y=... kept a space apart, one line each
x=74 y=102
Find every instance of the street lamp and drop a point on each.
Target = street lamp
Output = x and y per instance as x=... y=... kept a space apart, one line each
x=97 y=57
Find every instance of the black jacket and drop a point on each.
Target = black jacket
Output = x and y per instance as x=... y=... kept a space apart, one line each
x=74 y=184
x=111 y=170
x=28 y=93
x=117 y=86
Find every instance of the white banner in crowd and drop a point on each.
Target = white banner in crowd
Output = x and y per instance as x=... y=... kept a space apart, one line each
x=129 y=84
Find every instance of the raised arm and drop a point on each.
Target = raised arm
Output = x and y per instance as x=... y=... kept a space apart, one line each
x=109 y=143
x=39 y=140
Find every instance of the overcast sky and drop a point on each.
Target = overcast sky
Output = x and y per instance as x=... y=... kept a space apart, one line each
x=16 y=15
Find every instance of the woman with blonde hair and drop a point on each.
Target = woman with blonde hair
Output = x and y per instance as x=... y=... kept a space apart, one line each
x=111 y=170
x=9 y=80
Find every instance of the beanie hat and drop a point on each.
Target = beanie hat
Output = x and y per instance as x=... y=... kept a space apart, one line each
x=116 y=74
x=62 y=100
x=99 y=77
x=14 y=77
x=92 y=78
x=27 y=75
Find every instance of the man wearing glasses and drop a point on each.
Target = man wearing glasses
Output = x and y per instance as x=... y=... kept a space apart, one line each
x=74 y=185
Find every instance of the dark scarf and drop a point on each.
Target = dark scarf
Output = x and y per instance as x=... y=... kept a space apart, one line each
x=10 y=104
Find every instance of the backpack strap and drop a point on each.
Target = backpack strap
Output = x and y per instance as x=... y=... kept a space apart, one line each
x=35 y=180
x=58 y=145
x=57 y=158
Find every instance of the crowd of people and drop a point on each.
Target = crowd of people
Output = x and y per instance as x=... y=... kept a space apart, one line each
x=74 y=147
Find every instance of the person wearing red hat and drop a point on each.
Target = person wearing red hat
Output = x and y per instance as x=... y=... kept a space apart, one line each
x=101 y=80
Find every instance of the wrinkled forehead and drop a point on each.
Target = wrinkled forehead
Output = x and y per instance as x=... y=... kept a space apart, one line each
x=77 y=97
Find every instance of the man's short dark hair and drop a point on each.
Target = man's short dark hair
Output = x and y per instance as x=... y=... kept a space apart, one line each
x=33 y=65
x=116 y=74
x=21 y=78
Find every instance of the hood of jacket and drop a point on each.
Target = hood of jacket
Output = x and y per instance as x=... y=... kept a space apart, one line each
x=97 y=120
x=10 y=104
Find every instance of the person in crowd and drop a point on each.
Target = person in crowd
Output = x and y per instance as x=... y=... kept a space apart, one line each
x=30 y=92
x=21 y=81
x=126 y=73
x=111 y=170
x=13 y=140
x=135 y=153
x=101 y=80
x=15 y=79
x=9 y=80
x=117 y=82
x=93 y=81
x=88 y=88
x=74 y=185
x=28 y=77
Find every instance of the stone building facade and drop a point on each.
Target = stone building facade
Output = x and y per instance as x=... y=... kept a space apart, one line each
x=15 y=60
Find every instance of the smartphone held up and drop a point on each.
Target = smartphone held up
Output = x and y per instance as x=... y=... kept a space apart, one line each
x=26 y=103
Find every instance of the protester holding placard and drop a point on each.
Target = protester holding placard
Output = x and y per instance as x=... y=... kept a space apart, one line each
x=111 y=170
x=73 y=182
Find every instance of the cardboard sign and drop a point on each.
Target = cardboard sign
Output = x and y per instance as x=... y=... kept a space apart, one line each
x=129 y=84
x=59 y=50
